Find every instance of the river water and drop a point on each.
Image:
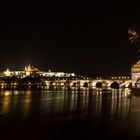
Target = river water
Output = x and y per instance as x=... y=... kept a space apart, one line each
x=97 y=114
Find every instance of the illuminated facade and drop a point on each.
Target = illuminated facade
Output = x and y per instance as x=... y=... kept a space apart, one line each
x=135 y=72
x=30 y=70
x=9 y=73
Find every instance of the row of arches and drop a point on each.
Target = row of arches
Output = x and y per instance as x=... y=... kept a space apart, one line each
x=86 y=84
x=102 y=85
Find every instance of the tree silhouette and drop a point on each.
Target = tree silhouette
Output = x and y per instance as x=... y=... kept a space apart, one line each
x=134 y=38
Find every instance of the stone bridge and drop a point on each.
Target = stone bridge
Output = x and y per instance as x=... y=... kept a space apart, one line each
x=101 y=83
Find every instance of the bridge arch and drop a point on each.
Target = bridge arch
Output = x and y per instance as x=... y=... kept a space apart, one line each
x=115 y=85
x=85 y=84
x=99 y=85
x=74 y=84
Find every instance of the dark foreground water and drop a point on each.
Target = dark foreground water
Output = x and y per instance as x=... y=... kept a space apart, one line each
x=69 y=115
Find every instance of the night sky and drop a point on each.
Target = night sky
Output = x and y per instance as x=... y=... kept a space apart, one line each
x=89 y=41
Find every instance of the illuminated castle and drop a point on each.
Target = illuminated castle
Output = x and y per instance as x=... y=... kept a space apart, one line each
x=30 y=70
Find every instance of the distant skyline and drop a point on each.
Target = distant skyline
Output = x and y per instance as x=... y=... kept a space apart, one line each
x=90 y=42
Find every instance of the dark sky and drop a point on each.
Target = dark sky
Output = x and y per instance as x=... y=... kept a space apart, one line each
x=90 y=41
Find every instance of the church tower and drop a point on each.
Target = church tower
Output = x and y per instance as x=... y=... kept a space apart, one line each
x=28 y=70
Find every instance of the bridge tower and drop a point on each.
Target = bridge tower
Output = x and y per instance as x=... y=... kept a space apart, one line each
x=135 y=73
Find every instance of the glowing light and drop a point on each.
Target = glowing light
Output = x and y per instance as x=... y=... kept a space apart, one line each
x=7 y=72
x=15 y=84
x=71 y=84
x=2 y=84
x=47 y=83
x=73 y=74
x=6 y=93
x=54 y=84
x=29 y=83
x=62 y=84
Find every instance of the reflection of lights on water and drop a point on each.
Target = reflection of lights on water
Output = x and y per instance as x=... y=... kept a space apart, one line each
x=15 y=87
x=112 y=89
x=28 y=92
x=94 y=88
x=63 y=87
x=125 y=94
x=6 y=93
x=109 y=88
x=99 y=92
x=120 y=90
x=15 y=92
x=74 y=88
x=6 y=106
x=98 y=89
x=127 y=90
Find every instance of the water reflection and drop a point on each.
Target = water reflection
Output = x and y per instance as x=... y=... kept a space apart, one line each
x=98 y=103
x=110 y=109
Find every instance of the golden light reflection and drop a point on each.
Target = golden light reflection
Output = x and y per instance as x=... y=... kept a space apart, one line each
x=26 y=103
x=7 y=93
x=6 y=100
x=28 y=92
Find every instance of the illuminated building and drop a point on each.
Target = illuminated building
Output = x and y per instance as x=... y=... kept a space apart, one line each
x=30 y=70
x=135 y=71
x=7 y=72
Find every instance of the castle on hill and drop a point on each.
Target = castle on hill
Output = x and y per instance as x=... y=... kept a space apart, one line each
x=31 y=70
